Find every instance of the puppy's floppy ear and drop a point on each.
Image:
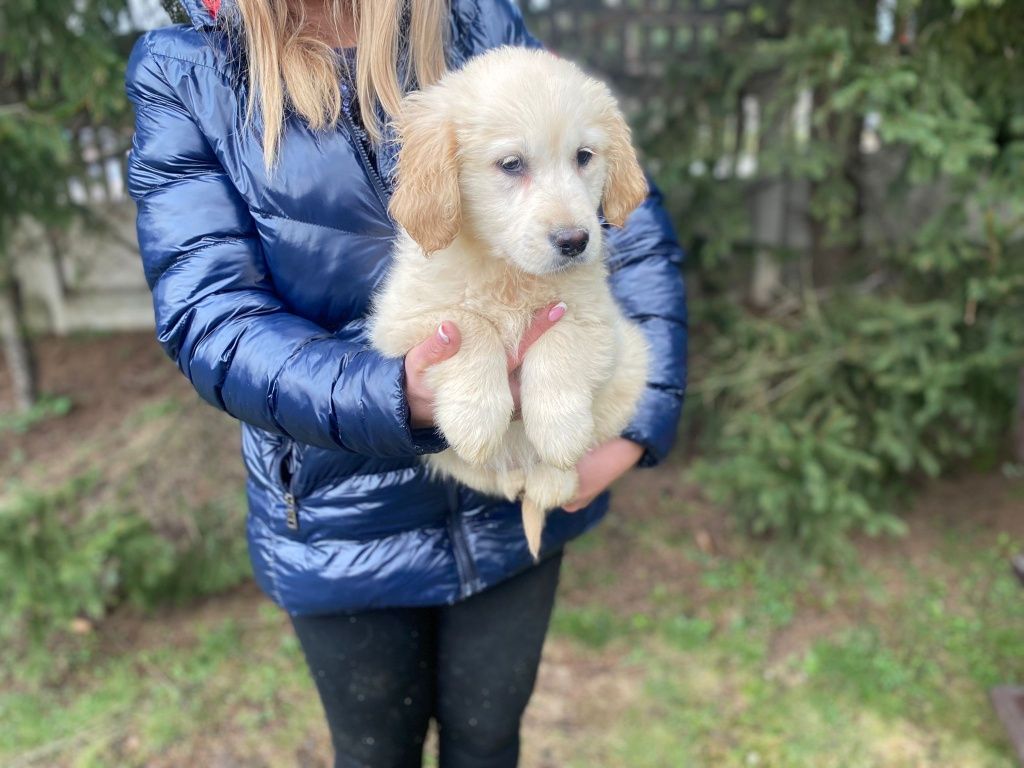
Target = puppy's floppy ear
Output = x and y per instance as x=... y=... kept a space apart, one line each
x=626 y=186
x=426 y=198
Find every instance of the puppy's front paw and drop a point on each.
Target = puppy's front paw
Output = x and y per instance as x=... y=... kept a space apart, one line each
x=475 y=430
x=560 y=436
x=551 y=487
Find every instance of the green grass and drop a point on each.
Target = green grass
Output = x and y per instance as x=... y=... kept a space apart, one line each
x=893 y=669
x=237 y=678
x=663 y=653
x=45 y=408
x=894 y=678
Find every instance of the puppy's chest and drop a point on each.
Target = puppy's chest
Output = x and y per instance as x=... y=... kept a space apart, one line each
x=509 y=300
x=422 y=291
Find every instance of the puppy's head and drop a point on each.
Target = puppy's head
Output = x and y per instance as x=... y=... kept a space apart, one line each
x=518 y=149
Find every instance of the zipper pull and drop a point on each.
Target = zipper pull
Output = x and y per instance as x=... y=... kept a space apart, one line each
x=292 y=514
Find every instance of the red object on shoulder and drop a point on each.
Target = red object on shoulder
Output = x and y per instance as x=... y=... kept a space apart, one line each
x=212 y=6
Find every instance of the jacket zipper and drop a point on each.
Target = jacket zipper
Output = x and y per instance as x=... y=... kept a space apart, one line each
x=291 y=513
x=468 y=577
x=364 y=159
x=290 y=504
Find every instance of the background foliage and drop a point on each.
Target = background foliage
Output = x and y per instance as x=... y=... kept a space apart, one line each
x=146 y=509
x=891 y=348
x=62 y=66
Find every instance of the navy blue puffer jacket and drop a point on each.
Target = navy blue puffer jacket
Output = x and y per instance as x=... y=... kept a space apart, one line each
x=260 y=288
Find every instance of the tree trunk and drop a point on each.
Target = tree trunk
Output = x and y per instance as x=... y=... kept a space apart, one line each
x=16 y=349
x=765 y=279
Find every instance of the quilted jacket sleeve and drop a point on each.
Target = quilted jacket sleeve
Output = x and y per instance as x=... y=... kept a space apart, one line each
x=646 y=279
x=217 y=314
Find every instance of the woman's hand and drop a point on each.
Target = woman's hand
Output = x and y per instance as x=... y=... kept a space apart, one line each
x=445 y=343
x=601 y=467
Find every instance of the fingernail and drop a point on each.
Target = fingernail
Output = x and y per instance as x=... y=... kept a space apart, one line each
x=444 y=337
x=556 y=312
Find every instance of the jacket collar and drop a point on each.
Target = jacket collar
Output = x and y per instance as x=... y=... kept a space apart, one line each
x=203 y=13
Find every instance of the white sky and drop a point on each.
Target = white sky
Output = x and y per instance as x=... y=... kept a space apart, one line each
x=147 y=14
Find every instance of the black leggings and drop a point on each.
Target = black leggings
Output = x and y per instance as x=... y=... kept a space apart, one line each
x=382 y=674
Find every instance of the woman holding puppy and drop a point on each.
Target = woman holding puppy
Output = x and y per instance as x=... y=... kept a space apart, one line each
x=262 y=165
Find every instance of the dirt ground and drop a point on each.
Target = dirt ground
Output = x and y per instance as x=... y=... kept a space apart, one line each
x=104 y=375
x=582 y=690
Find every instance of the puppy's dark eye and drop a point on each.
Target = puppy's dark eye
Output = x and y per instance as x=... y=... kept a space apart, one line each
x=583 y=157
x=513 y=165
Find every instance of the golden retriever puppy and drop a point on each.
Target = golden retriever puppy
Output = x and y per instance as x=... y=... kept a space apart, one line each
x=502 y=169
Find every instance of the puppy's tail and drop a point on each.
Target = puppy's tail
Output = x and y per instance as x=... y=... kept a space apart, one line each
x=533 y=525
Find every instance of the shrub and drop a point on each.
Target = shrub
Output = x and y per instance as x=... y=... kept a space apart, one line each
x=820 y=424
x=63 y=557
x=892 y=345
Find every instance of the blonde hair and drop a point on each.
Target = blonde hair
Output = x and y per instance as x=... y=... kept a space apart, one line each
x=288 y=66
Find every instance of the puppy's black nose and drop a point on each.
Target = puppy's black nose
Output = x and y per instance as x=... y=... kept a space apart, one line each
x=571 y=241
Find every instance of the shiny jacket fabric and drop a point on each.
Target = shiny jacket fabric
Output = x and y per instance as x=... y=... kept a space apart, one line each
x=260 y=288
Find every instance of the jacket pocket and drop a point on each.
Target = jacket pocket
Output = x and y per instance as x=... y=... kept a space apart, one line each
x=286 y=467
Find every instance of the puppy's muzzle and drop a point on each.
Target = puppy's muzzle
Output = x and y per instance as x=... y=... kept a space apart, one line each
x=570 y=241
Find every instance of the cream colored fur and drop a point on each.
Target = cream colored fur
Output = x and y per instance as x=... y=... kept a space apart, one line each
x=475 y=249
